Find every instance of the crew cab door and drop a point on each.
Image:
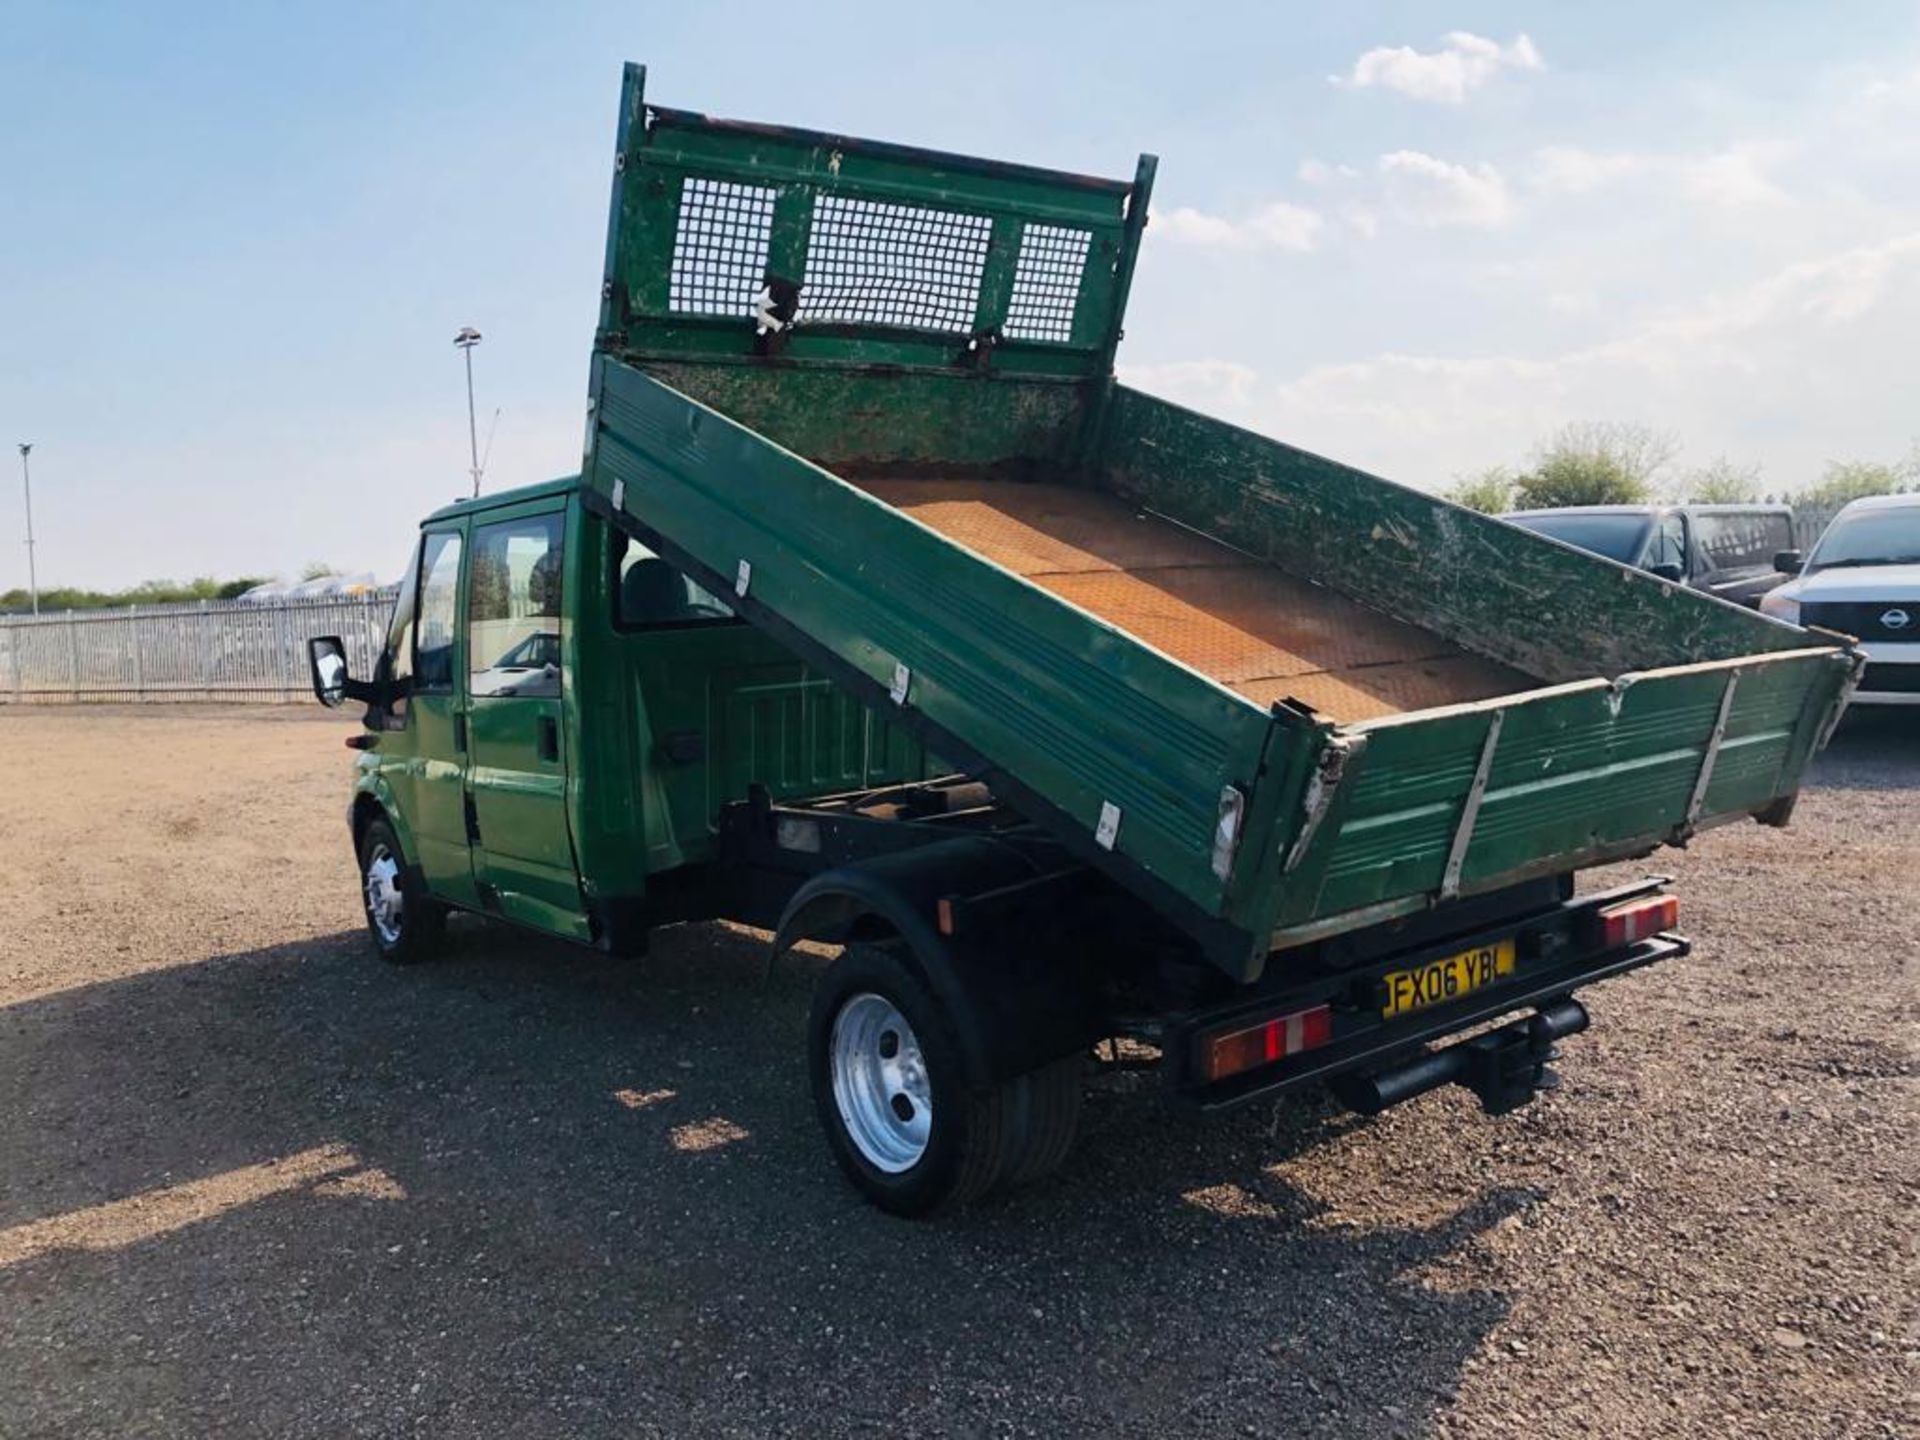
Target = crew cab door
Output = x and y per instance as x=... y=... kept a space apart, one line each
x=517 y=685
x=424 y=760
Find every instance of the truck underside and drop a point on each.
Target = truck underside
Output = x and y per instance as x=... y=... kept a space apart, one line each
x=1045 y=957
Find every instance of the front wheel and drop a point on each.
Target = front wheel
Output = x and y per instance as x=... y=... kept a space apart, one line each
x=890 y=1088
x=406 y=924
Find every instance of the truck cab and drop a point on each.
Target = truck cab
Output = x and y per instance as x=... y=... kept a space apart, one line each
x=558 y=717
x=1726 y=551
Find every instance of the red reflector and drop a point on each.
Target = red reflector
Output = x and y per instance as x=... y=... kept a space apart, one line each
x=360 y=742
x=1635 y=920
x=1229 y=1052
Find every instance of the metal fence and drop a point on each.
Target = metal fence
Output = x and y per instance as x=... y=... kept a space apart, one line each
x=215 y=650
x=1810 y=521
x=225 y=650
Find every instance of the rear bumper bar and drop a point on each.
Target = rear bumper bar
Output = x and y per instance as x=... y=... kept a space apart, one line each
x=1390 y=1043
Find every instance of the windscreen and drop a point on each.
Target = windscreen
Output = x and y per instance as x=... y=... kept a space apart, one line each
x=1617 y=537
x=1870 y=537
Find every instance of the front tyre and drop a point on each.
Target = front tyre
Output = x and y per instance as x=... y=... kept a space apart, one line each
x=405 y=923
x=890 y=1089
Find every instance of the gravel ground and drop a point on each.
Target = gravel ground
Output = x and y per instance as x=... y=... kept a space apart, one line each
x=254 y=1183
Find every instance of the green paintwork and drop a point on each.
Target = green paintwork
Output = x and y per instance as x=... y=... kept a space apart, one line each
x=720 y=449
x=614 y=807
x=793 y=171
x=726 y=456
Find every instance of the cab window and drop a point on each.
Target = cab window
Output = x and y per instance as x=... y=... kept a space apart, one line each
x=513 y=608
x=649 y=592
x=433 y=633
x=1669 y=546
x=1742 y=542
x=396 y=660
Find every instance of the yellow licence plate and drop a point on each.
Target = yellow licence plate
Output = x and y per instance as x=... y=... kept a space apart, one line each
x=1439 y=981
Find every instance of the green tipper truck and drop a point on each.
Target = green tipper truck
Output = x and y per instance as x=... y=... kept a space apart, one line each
x=881 y=615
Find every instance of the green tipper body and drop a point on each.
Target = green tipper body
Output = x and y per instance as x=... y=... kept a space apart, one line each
x=788 y=313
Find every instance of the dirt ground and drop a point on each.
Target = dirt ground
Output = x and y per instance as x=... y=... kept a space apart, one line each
x=252 y=1182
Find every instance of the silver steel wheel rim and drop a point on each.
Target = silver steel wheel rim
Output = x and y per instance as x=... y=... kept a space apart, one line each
x=880 y=1083
x=383 y=894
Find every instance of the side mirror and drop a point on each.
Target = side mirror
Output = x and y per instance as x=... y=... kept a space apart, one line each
x=1668 y=571
x=1789 y=562
x=327 y=659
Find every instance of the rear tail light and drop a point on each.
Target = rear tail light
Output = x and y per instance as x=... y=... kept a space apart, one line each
x=1229 y=1052
x=1634 y=920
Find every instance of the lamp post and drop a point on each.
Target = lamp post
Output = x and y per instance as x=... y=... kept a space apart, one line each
x=26 y=481
x=466 y=340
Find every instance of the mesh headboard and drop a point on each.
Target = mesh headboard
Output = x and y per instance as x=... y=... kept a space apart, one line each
x=729 y=240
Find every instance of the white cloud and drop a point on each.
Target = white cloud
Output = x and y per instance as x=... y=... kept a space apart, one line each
x=1734 y=178
x=1463 y=63
x=1719 y=372
x=1318 y=172
x=1425 y=190
x=1278 y=226
x=1568 y=170
x=1899 y=87
x=1223 y=386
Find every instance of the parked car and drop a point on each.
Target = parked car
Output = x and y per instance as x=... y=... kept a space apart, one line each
x=1724 y=550
x=1863 y=579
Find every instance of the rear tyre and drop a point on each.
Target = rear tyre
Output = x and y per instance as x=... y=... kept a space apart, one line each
x=406 y=924
x=889 y=1086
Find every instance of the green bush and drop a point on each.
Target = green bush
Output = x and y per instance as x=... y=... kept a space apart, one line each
x=1490 y=492
x=1604 y=463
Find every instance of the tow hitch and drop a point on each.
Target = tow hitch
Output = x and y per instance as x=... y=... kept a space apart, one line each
x=1504 y=1067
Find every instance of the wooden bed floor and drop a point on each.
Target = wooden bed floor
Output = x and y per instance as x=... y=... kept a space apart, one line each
x=1254 y=628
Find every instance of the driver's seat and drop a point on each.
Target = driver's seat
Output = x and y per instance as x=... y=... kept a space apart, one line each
x=652 y=592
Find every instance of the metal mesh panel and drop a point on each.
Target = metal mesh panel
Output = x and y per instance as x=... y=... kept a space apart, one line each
x=871 y=263
x=1046 y=282
x=719 y=247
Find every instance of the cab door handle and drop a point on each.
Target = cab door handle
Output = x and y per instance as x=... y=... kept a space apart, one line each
x=549 y=738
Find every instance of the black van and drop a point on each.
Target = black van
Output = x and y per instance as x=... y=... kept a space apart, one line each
x=1725 y=550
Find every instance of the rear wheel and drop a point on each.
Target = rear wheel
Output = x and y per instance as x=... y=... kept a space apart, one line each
x=890 y=1087
x=406 y=924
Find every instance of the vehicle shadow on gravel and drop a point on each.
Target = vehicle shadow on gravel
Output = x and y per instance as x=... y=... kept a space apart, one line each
x=532 y=1191
x=1874 y=748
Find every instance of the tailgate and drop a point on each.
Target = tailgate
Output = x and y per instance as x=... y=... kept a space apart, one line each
x=1430 y=805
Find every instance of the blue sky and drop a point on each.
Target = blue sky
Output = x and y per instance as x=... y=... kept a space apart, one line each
x=236 y=239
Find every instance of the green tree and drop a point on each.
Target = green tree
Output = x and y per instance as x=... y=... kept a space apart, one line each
x=1595 y=463
x=1490 y=491
x=147 y=592
x=317 y=570
x=1721 y=482
x=1845 y=480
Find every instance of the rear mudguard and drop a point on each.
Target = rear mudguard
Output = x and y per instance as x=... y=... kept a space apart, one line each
x=1014 y=1005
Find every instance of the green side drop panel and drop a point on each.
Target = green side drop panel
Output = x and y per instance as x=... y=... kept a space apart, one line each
x=1079 y=714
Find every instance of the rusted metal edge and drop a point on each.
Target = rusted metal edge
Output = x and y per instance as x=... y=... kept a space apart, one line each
x=1837 y=711
x=1340 y=752
x=662 y=116
x=1621 y=684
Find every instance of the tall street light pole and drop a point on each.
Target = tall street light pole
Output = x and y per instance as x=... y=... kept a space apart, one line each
x=466 y=340
x=26 y=480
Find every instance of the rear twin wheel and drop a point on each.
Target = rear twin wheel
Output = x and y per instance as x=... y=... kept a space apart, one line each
x=890 y=1087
